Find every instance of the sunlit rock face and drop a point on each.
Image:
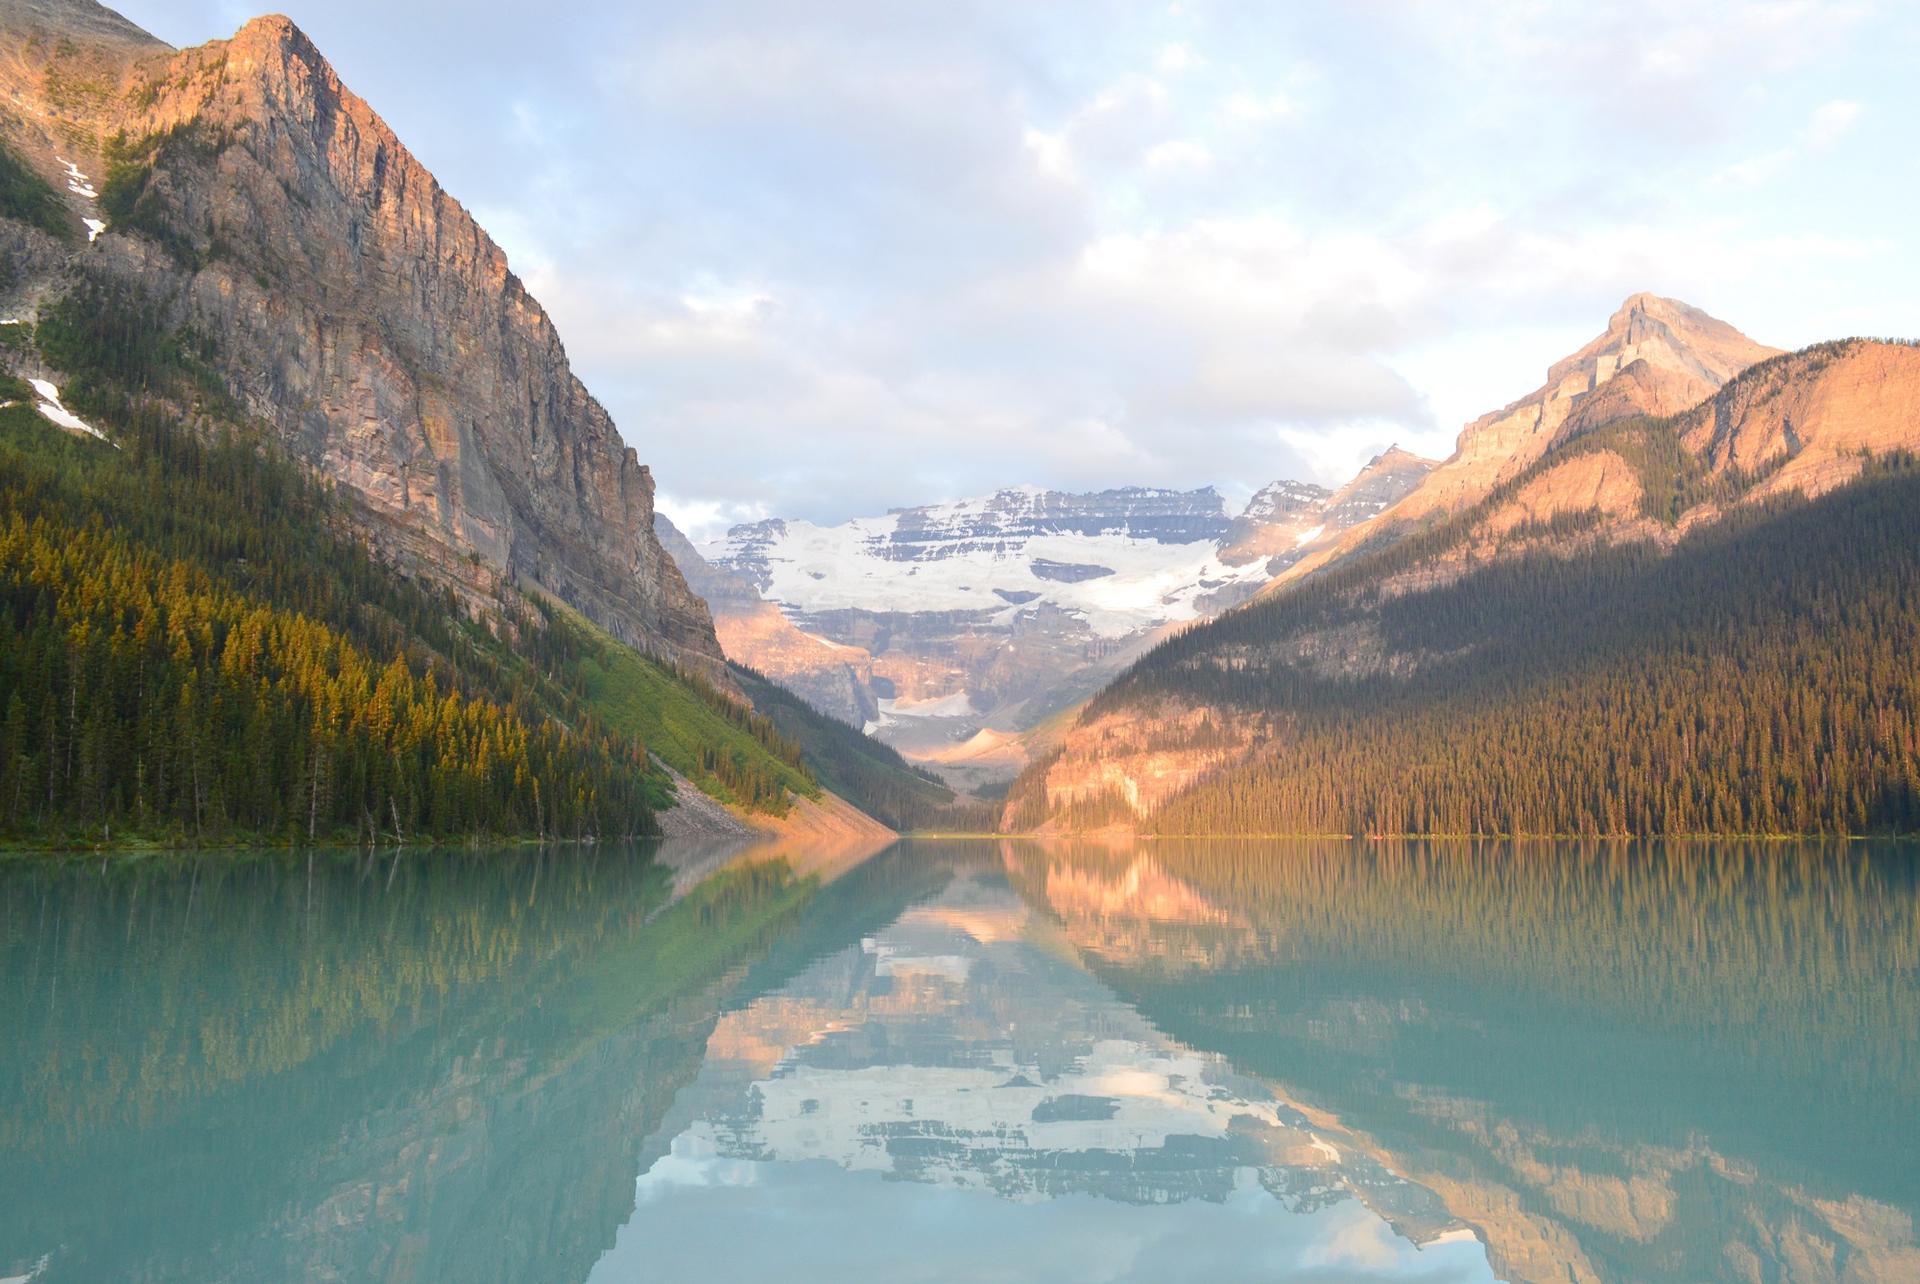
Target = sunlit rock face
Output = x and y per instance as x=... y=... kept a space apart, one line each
x=959 y=1047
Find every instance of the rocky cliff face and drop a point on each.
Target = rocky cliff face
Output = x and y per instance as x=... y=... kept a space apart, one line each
x=1811 y=417
x=354 y=306
x=1657 y=356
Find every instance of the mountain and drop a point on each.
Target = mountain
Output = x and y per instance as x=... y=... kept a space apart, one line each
x=345 y=299
x=867 y=772
x=1288 y=521
x=954 y=627
x=833 y=678
x=1657 y=356
x=334 y=544
x=1618 y=627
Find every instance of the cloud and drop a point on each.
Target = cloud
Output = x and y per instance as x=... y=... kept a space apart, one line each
x=825 y=259
x=1830 y=123
x=1177 y=59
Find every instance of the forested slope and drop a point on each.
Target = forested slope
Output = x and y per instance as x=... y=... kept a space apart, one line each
x=195 y=645
x=1758 y=678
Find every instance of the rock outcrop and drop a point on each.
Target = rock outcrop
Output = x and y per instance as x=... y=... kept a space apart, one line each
x=1807 y=420
x=1658 y=356
x=356 y=307
x=1289 y=521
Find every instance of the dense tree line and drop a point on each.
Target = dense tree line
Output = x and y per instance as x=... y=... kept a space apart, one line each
x=1761 y=678
x=193 y=643
x=140 y=691
x=25 y=196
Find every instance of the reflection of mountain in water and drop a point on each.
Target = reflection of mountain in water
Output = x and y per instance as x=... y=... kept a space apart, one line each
x=1618 y=1063
x=438 y=1069
x=1610 y=1063
x=962 y=1046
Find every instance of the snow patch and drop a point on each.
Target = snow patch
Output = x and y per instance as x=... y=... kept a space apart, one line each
x=957 y=705
x=80 y=185
x=76 y=181
x=856 y=566
x=50 y=408
x=1308 y=536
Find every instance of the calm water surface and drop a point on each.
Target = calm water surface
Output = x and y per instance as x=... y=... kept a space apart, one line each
x=966 y=1061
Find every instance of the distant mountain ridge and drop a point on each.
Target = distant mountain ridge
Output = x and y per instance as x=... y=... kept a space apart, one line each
x=941 y=623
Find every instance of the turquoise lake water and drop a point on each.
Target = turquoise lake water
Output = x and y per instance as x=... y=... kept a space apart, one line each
x=965 y=1061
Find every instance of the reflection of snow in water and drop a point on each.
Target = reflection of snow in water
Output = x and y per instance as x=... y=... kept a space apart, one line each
x=959 y=1048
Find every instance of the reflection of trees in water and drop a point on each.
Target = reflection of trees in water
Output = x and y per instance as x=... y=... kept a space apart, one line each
x=1675 y=1060
x=439 y=1068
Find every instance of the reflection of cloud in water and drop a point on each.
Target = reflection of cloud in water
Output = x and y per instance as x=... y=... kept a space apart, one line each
x=694 y=1161
x=958 y=1050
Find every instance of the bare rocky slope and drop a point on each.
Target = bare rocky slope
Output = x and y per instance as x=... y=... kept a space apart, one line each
x=345 y=299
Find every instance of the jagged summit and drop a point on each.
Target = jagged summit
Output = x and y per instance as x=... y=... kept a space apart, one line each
x=1288 y=521
x=1397 y=456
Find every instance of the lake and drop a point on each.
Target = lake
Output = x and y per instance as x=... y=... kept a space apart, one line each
x=977 y=1060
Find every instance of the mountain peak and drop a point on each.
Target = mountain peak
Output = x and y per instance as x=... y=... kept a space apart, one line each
x=1394 y=458
x=1657 y=356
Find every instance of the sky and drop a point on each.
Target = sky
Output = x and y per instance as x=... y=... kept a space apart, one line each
x=821 y=258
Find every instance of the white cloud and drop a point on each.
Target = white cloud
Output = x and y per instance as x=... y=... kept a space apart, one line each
x=1179 y=154
x=1829 y=124
x=823 y=259
x=1831 y=121
x=701 y=520
x=1177 y=59
x=1249 y=108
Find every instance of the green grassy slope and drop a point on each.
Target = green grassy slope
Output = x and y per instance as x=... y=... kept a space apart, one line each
x=869 y=774
x=733 y=753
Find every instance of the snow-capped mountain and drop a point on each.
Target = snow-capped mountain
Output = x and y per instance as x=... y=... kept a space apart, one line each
x=1120 y=561
x=979 y=617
